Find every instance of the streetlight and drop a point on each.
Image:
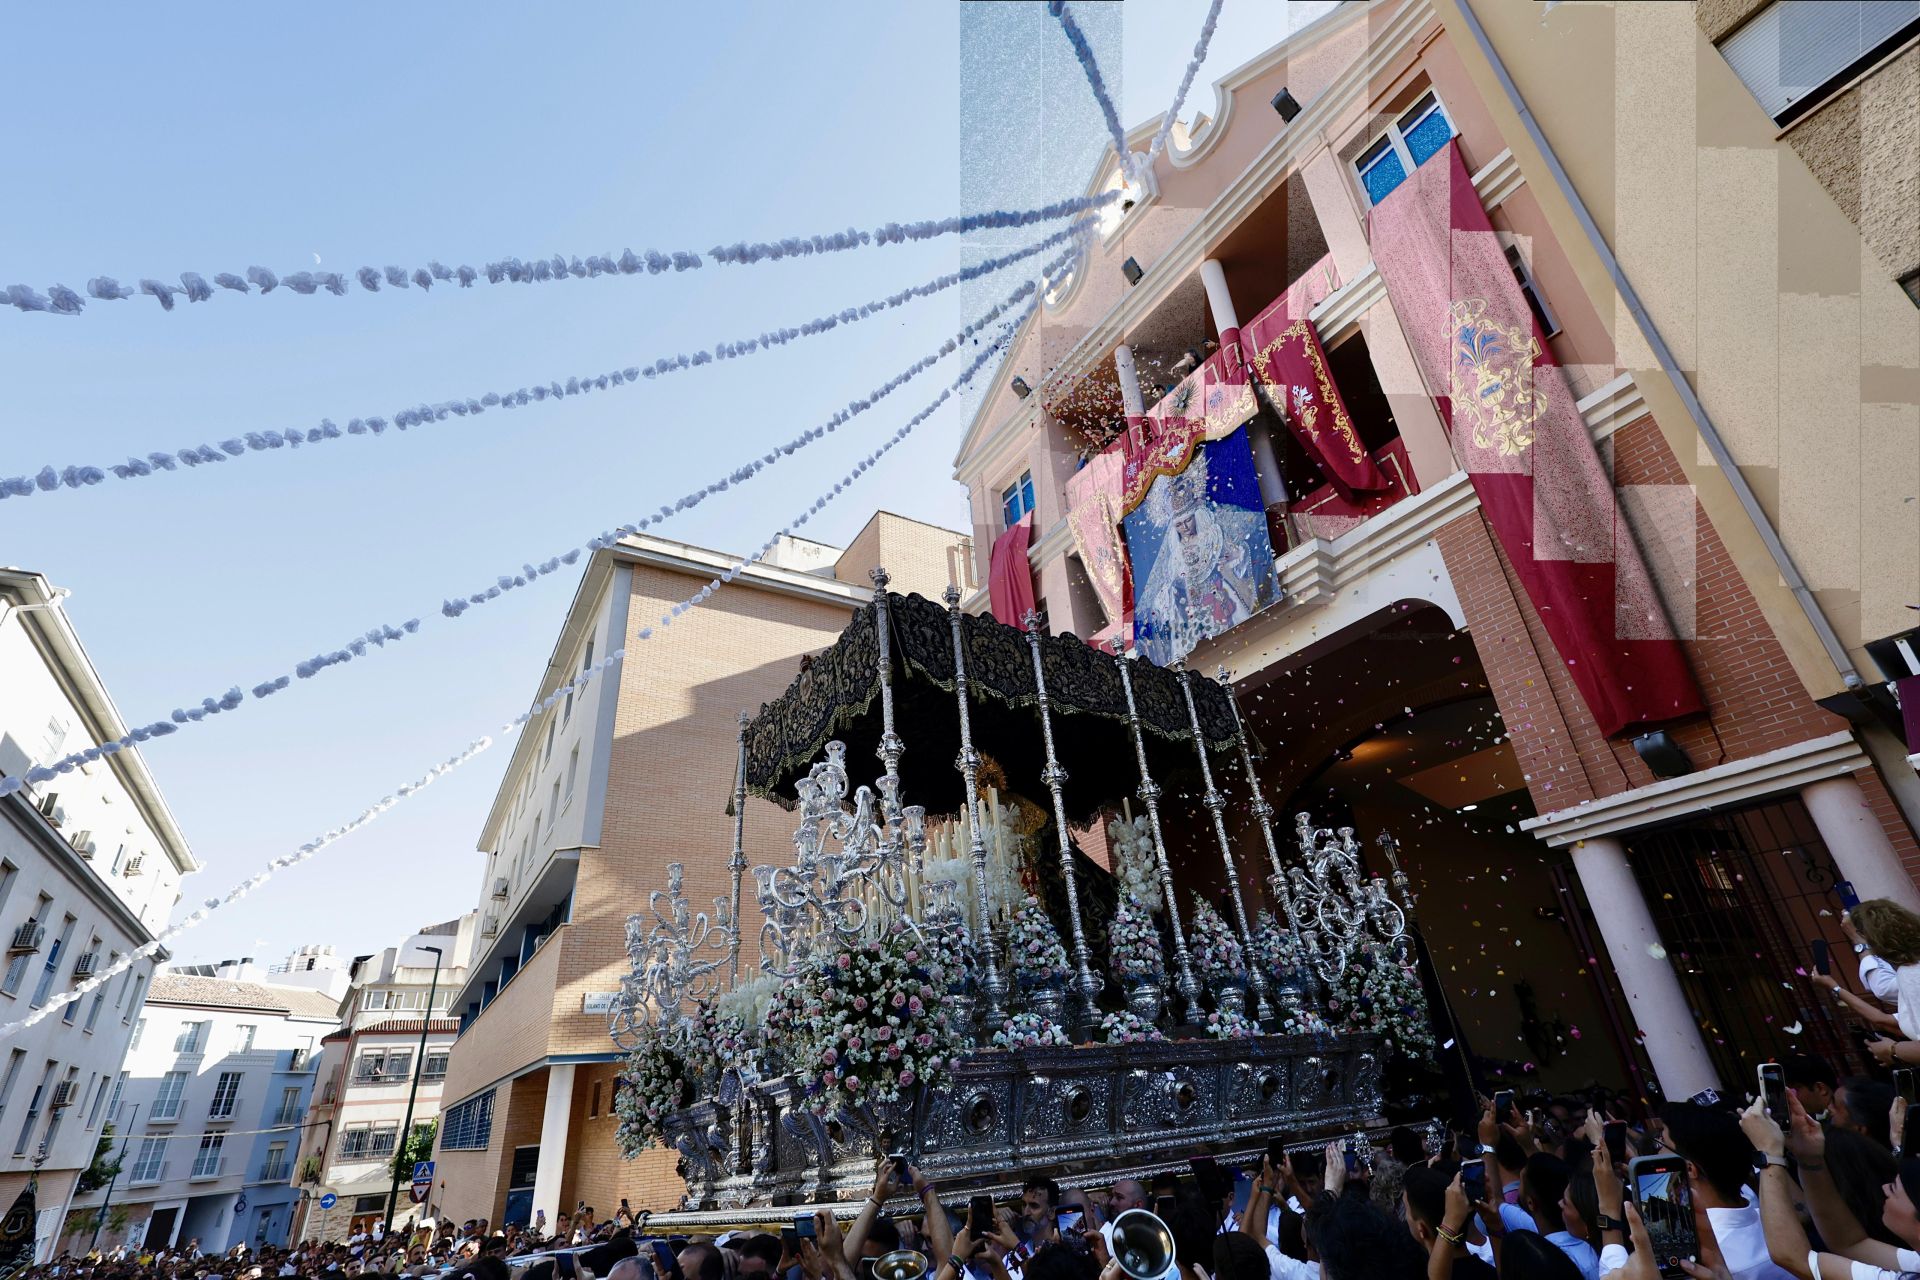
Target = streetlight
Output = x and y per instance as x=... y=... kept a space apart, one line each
x=406 y=1125
x=126 y=1141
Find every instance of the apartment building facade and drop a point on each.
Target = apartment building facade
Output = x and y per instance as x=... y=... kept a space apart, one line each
x=367 y=1074
x=1464 y=549
x=90 y=868
x=603 y=791
x=207 y=1112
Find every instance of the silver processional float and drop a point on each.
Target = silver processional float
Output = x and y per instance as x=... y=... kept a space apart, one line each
x=906 y=986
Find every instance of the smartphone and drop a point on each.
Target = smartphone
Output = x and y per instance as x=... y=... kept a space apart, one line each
x=899 y=1160
x=1206 y=1172
x=1276 y=1153
x=805 y=1227
x=1473 y=1180
x=1070 y=1221
x=1503 y=1106
x=1903 y=1082
x=1848 y=898
x=980 y=1216
x=1163 y=1208
x=1773 y=1094
x=1822 y=958
x=1616 y=1135
x=665 y=1261
x=1242 y=1192
x=790 y=1241
x=1659 y=1186
x=1910 y=1136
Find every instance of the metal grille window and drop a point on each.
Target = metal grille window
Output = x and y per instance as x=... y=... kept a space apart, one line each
x=1792 y=52
x=368 y=1141
x=383 y=1066
x=469 y=1126
x=1738 y=896
x=434 y=1066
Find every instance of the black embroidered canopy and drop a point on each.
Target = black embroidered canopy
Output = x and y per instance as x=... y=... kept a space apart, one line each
x=838 y=697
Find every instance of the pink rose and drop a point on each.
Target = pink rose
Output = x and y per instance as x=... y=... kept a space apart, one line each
x=830 y=1057
x=906 y=1076
x=913 y=957
x=914 y=1004
x=843 y=960
x=860 y=1003
x=853 y=1084
x=854 y=1043
x=899 y=999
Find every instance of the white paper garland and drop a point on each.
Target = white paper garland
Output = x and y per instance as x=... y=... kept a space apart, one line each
x=61 y=300
x=474 y=748
x=378 y=637
x=50 y=479
x=1096 y=82
x=1186 y=80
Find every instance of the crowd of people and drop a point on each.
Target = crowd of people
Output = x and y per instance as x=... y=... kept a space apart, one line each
x=1811 y=1180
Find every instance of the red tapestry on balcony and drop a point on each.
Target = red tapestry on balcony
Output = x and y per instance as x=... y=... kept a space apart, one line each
x=1009 y=576
x=1093 y=513
x=1290 y=365
x=1517 y=431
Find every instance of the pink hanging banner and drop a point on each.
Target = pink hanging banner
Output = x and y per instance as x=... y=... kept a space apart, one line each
x=1518 y=433
x=1093 y=513
x=1009 y=576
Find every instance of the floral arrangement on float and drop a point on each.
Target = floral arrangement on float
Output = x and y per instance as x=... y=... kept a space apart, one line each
x=1133 y=941
x=1229 y=1024
x=862 y=1026
x=1038 y=957
x=1127 y=1027
x=1380 y=991
x=1130 y=841
x=1278 y=955
x=1215 y=948
x=1030 y=1030
x=654 y=1083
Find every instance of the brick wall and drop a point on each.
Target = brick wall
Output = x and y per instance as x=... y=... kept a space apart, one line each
x=596 y=1171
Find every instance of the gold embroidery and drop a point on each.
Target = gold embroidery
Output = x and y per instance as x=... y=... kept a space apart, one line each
x=1302 y=330
x=1493 y=377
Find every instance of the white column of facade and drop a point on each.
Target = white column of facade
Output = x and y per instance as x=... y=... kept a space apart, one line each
x=1129 y=381
x=1858 y=842
x=553 y=1142
x=1266 y=459
x=1667 y=1028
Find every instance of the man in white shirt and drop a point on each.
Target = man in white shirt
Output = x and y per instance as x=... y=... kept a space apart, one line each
x=1720 y=1161
x=1123 y=1195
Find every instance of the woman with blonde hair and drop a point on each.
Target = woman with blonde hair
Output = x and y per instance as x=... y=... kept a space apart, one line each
x=1892 y=932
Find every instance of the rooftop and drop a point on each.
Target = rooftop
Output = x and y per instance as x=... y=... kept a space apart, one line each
x=219 y=993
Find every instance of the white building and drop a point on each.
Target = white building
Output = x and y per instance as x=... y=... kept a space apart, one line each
x=90 y=868
x=367 y=1071
x=209 y=1108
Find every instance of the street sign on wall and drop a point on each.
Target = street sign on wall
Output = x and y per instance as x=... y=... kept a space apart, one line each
x=329 y=1200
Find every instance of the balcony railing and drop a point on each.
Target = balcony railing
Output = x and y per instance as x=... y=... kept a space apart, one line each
x=204 y=1167
x=275 y=1171
x=149 y=1173
x=362 y=1146
x=165 y=1109
x=223 y=1111
x=288 y=1115
x=383 y=1077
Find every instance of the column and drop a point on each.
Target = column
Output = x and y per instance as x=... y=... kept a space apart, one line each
x=553 y=1141
x=1858 y=842
x=1668 y=1030
x=1129 y=381
x=1266 y=460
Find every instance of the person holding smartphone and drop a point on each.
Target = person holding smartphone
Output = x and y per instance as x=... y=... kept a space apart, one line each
x=1892 y=934
x=871 y=1234
x=1721 y=1161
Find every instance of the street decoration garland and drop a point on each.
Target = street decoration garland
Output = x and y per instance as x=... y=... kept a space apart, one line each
x=1186 y=80
x=1379 y=991
x=863 y=1025
x=1097 y=83
x=1038 y=957
x=195 y=287
x=79 y=476
x=1133 y=941
x=377 y=637
x=655 y=1082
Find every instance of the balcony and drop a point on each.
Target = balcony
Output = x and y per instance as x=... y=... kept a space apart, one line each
x=288 y=1116
x=223 y=1112
x=365 y=1146
x=164 y=1110
x=276 y=1171
x=205 y=1168
x=144 y=1176
x=375 y=1078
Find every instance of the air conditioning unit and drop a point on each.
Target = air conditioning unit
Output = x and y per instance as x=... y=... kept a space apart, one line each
x=500 y=887
x=55 y=812
x=84 y=844
x=27 y=937
x=135 y=863
x=63 y=1094
x=83 y=967
x=489 y=926
x=48 y=801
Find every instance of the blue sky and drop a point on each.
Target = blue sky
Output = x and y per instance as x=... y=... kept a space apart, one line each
x=148 y=140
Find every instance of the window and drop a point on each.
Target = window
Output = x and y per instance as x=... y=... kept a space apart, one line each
x=33 y=1108
x=593 y=1107
x=192 y=1038
x=206 y=1161
x=369 y=1204
x=383 y=1066
x=1016 y=500
x=166 y=1103
x=368 y=1141
x=555 y=802
x=99 y=1104
x=139 y=1030
x=290 y=1107
x=1409 y=142
x=1792 y=52
x=119 y=856
x=147 y=1165
x=243 y=1037
x=139 y=990
x=469 y=1126
x=573 y=769
x=547 y=756
x=1531 y=291
x=434 y=1065
x=113 y=1102
x=225 y=1094
x=59 y=1113
x=99 y=997
x=8 y=873
x=17 y=967
x=275 y=1169
x=15 y=1061
x=48 y=970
